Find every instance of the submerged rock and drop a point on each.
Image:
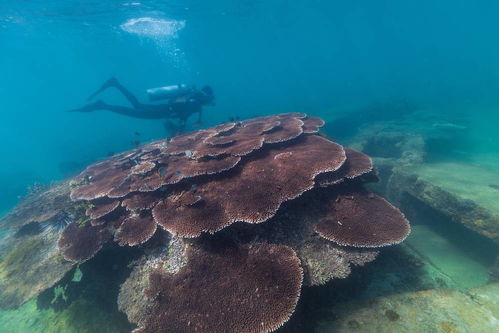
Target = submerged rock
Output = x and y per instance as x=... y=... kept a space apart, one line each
x=425 y=311
x=459 y=191
x=29 y=265
x=43 y=205
x=30 y=260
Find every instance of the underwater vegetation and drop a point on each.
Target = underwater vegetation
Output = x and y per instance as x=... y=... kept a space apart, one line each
x=31 y=260
x=231 y=222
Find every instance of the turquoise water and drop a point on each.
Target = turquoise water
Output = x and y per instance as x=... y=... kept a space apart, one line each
x=260 y=57
x=368 y=68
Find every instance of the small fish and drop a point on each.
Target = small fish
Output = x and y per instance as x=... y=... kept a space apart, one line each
x=77 y=275
x=135 y=143
x=494 y=186
x=136 y=133
x=111 y=153
x=178 y=172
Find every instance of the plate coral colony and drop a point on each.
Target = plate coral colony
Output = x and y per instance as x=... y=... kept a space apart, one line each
x=232 y=222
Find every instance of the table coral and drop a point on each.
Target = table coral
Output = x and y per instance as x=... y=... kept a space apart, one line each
x=231 y=221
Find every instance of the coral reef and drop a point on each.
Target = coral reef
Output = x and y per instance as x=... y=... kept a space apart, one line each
x=231 y=221
x=356 y=165
x=225 y=282
x=202 y=183
x=362 y=219
x=215 y=204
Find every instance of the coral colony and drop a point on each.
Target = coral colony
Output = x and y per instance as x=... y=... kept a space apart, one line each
x=231 y=221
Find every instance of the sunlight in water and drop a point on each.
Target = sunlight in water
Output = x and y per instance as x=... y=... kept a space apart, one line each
x=153 y=27
x=163 y=32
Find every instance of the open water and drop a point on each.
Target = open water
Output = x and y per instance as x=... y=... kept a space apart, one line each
x=425 y=67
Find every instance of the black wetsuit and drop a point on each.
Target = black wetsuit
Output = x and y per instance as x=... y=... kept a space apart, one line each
x=181 y=107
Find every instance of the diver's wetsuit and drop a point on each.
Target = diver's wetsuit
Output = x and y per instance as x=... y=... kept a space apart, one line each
x=181 y=107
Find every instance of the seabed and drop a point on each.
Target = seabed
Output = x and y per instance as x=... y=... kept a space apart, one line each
x=443 y=278
x=452 y=283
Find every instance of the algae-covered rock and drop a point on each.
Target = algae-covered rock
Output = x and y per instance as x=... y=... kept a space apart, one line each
x=30 y=260
x=131 y=300
x=39 y=206
x=29 y=265
x=440 y=311
x=81 y=316
x=459 y=191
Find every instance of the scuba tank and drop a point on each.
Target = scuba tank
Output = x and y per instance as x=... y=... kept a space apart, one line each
x=168 y=92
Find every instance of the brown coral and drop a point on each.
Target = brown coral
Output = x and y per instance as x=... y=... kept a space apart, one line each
x=99 y=179
x=205 y=181
x=204 y=152
x=237 y=185
x=312 y=124
x=101 y=208
x=136 y=229
x=252 y=192
x=356 y=165
x=226 y=289
x=362 y=219
x=130 y=176
x=141 y=201
x=173 y=169
x=81 y=242
x=239 y=139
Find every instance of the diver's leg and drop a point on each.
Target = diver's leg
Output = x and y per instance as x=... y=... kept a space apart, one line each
x=113 y=82
x=124 y=110
x=97 y=105
x=128 y=95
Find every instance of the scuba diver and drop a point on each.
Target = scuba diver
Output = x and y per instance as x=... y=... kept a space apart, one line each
x=182 y=102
